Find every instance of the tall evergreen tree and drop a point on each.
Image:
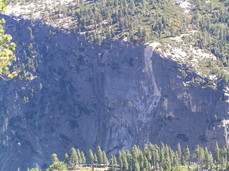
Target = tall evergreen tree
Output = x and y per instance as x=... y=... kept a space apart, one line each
x=179 y=151
x=83 y=158
x=120 y=160
x=95 y=159
x=99 y=154
x=216 y=155
x=54 y=158
x=113 y=163
x=79 y=156
x=186 y=156
x=125 y=161
x=73 y=159
x=91 y=157
x=136 y=165
x=105 y=160
x=66 y=158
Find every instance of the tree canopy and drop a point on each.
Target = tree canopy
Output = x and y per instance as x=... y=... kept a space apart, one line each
x=150 y=157
x=7 y=47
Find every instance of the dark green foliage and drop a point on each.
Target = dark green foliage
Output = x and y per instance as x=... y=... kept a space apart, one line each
x=66 y=158
x=95 y=159
x=216 y=155
x=186 y=156
x=57 y=166
x=33 y=169
x=140 y=20
x=83 y=158
x=99 y=154
x=54 y=158
x=75 y=159
x=113 y=163
x=153 y=157
x=98 y=158
x=91 y=157
x=105 y=160
x=152 y=20
x=6 y=48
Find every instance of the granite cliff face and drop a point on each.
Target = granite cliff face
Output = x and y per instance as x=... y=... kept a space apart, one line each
x=72 y=93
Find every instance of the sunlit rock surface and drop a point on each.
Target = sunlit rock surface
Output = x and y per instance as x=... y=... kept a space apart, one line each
x=72 y=93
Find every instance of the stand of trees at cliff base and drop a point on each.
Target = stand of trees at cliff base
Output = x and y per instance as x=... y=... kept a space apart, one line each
x=150 y=158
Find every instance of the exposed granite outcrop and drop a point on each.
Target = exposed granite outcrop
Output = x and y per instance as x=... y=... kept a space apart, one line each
x=72 y=93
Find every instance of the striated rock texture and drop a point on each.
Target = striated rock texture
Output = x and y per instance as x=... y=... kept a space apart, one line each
x=72 y=93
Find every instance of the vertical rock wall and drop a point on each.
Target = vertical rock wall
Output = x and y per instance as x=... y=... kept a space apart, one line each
x=72 y=93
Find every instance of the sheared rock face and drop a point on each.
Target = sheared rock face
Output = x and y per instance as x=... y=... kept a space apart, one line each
x=72 y=93
x=131 y=95
x=187 y=114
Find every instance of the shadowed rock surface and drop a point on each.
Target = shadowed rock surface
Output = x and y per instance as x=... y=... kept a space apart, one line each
x=72 y=93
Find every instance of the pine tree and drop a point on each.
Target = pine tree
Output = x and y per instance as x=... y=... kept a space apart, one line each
x=146 y=164
x=83 y=158
x=33 y=169
x=73 y=160
x=141 y=160
x=175 y=160
x=223 y=163
x=162 y=156
x=135 y=152
x=54 y=158
x=155 y=157
x=186 y=156
x=105 y=160
x=136 y=166
x=199 y=156
x=125 y=162
x=79 y=156
x=99 y=154
x=95 y=159
x=179 y=151
x=216 y=155
x=91 y=157
x=210 y=161
x=120 y=160
x=112 y=163
x=66 y=158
